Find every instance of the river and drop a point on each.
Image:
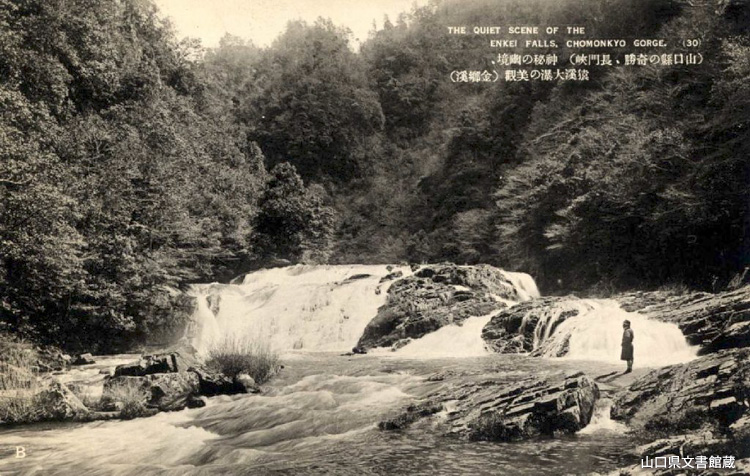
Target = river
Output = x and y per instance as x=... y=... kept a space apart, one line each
x=319 y=416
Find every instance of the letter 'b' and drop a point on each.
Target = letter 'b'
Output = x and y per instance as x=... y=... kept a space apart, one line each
x=20 y=452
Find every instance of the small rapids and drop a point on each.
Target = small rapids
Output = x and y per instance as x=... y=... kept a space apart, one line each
x=601 y=420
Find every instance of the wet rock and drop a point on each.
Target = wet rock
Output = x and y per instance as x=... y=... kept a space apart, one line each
x=214 y=303
x=521 y=328
x=401 y=343
x=58 y=402
x=709 y=391
x=356 y=277
x=215 y=383
x=491 y=409
x=165 y=392
x=392 y=276
x=436 y=296
x=713 y=321
x=147 y=365
x=194 y=401
x=84 y=359
x=247 y=384
x=410 y=414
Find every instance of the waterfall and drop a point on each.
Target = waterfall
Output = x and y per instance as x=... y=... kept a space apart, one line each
x=596 y=334
x=323 y=308
x=551 y=317
x=524 y=284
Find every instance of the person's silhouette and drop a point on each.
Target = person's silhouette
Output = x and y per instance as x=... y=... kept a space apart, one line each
x=627 y=345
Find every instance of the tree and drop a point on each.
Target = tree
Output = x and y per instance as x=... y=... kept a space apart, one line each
x=293 y=222
x=315 y=108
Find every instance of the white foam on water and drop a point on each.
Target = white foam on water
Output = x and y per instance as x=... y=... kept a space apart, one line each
x=298 y=307
x=450 y=341
x=601 y=420
x=524 y=285
x=597 y=335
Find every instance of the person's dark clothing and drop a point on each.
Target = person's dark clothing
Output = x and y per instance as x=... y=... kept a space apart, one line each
x=627 y=345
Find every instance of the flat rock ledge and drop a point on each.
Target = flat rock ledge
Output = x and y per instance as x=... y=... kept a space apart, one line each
x=433 y=297
x=491 y=409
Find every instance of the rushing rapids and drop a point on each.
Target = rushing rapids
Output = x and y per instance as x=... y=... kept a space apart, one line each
x=320 y=415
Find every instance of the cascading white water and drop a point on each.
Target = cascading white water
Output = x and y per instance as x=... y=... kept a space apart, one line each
x=450 y=341
x=298 y=307
x=548 y=319
x=602 y=421
x=596 y=334
x=323 y=308
x=524 y=284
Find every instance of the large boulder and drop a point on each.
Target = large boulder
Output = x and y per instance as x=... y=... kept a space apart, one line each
x=84 y=359
x=57 y=402
x=165 y=392
x=712 y=321
x=436 y=296
x=491 y=409
x=211 y=383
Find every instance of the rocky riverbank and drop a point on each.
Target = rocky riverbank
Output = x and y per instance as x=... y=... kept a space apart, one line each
x=89 y=391
x=712 y=321
x=700 y=408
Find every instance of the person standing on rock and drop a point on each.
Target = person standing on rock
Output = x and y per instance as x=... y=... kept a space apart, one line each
x=627 y=345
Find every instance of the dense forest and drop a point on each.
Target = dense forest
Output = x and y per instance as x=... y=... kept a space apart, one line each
x=134 y=163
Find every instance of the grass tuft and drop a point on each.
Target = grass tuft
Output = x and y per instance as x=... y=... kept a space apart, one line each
x=235 y=356
x=131 y=398
x=19 y=380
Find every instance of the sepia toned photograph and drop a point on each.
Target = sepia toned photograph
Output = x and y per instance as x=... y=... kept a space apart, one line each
x=382 y=237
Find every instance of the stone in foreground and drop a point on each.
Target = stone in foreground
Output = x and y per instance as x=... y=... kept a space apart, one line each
x=490 y=409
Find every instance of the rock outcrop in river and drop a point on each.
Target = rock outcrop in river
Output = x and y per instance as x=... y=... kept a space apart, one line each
x=436 y=296
x=709 y=390
x=488 y=408
x=523 y=327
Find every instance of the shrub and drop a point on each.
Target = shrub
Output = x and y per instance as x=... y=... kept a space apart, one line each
x=19 y=383
x=235 y=356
